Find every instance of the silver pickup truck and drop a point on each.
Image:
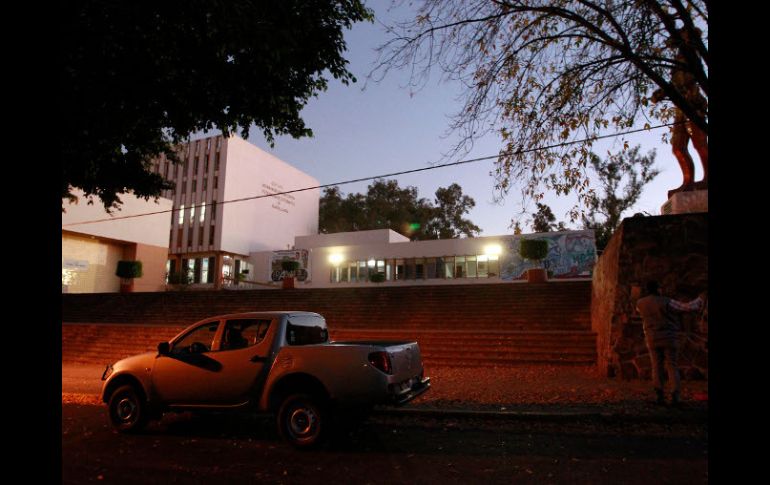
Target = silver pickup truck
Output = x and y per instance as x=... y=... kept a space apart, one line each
x=278 y=362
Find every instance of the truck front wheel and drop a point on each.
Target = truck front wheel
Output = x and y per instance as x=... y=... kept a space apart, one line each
x=302 y=421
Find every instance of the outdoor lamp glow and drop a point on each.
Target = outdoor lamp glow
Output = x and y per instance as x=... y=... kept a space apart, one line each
x=493 y=250
x=335 y=258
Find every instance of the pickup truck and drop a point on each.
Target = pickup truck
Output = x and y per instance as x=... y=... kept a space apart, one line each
x=275 y=362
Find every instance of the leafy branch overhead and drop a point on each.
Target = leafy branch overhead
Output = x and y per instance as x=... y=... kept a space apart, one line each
x=140 y=77
x=546 y=72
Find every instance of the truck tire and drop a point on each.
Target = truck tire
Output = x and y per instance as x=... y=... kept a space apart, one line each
x=127 y=410
x=302 y=421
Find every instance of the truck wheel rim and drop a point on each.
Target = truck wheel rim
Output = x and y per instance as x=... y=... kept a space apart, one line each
x=303 y=422
x=126 y=409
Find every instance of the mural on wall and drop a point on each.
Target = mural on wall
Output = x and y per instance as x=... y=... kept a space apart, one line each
x=301 y=255
x=571 y=254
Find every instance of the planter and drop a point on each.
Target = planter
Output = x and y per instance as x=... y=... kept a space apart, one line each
x=537 y=275
x=288 y=282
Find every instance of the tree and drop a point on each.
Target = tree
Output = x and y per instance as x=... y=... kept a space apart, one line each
x=545 y=73
x=628 y=172
x=388 y=206
x=543 y=220
x=448 y=221
x=138 y=78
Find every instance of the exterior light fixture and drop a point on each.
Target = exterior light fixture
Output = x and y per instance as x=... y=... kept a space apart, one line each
x=493 y=251
x=335 y=259
x=371 y=263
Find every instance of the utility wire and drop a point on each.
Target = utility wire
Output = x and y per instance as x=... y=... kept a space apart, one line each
x=520 y=151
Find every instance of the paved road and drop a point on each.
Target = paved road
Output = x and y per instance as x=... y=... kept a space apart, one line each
x=387 y=449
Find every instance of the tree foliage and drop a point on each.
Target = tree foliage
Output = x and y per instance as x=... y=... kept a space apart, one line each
x=544 y=73
x=388 y=206
x=138 y=78
x=622 y=178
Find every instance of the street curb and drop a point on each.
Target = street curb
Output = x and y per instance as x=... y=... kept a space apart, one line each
x=672 y=416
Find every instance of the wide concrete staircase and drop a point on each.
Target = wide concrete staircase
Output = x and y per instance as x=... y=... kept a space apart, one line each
x=460 y=325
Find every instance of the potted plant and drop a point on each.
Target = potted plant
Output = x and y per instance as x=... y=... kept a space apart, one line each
x=377 y=277
x=127 y=271
x=289 y=267
x=534 y=250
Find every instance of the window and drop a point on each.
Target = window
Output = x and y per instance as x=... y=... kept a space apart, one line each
x=216 y=182
x=200 y=236
x=449 y=265
x=195 y=185
x=216 y=160
x=205 y=184
x=399 y=269
x=306 y=330
x=181 y=214
x=205 y=270
x=471 y=266
x=430 y=268
x=203 y=212
x=243 y=333
x=419 y=269
x=353 y=271
x=483 y=261
x=200 y=339
x=213 y=209
x=206 y=166
x=211 y=235
x=189 y=237
x=192 y=214
x=212 y=261
x=460 y=267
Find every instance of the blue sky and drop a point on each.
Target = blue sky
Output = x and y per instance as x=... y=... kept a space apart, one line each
x=373 y=128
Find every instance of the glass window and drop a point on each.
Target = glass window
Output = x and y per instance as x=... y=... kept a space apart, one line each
x=353 y=267
x=460 y=267
x=211 y=235
x=419 y=268
x=483 y=262
x=471 y=265
x=343 y=271
x=242 y=333
x=195 y=185
x=363 y=271
x=409 y=267
x=181 y=214
x=192 y=214
x=306 y=330
x=199 y=340
x=205 y=269
x=400 y=269
x=389 y=269
x=494 y=266
x=216 y=159
x=449 y=264
x=203 y=212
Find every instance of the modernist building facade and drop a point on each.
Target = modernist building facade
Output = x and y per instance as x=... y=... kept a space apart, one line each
x=217 y=222
x=350 y=258
x=91 y=250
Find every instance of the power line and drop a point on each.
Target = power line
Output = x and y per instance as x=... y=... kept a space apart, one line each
x=520 y=151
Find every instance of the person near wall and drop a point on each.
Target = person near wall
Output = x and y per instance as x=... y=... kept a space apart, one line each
x=660 y=321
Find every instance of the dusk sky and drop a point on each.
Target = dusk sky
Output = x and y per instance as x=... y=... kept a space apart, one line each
x=371 y=128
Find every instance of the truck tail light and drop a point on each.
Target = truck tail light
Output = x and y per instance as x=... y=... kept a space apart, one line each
x=381 y=360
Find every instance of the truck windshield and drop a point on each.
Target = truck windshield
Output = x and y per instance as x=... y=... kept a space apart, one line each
x=306 y=330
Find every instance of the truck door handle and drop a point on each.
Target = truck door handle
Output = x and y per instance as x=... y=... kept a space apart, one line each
x=257 y=358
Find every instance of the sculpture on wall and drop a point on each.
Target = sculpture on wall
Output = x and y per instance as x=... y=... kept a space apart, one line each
x=684 y=130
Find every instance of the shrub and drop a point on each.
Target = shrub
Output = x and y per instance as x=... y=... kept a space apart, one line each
x=289 y=265
x=129 y=269
x=533 y=249
x=377 y=277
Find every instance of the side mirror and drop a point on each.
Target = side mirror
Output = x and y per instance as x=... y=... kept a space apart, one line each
x=164 y=348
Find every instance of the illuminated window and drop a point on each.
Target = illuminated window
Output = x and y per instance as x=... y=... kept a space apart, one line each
x=483 y=262
x=460 y=267
x=203 y=212
x=449 y=265
x=471 y=266
x=192 y=214
x=400 y=269
x=181 y=214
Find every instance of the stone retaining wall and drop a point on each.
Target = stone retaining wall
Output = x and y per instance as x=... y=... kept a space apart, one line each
x=670 y=249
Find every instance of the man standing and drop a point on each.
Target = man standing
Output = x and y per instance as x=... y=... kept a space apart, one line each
x=661 y=328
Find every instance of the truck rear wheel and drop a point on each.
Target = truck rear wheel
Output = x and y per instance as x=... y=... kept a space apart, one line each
x=302 y=421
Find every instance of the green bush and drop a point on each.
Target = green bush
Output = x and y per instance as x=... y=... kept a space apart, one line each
x=533 y=249
x=289 y=265
x=129 y=269
x=377 y=277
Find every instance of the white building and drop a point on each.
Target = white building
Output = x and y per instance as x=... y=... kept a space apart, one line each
x=212 y=232
x=349 y=258
x=90 y=252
